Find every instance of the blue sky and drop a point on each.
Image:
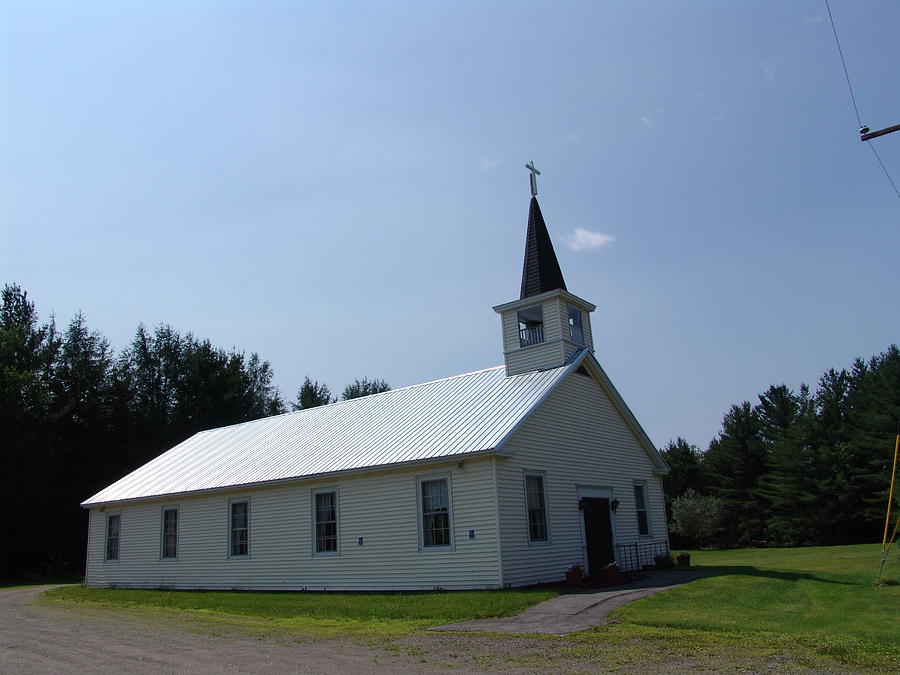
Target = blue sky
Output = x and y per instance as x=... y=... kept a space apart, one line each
x=340 y=186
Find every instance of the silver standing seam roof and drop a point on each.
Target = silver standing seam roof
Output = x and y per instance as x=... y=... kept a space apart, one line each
x=471 y=413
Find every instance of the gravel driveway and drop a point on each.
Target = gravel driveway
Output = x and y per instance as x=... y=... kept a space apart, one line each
x=47 y=638
x=44 y=637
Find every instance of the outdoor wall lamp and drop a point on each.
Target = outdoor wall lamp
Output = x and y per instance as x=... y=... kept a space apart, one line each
x=614 y=504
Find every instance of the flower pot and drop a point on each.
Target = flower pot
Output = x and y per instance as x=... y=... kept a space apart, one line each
x=610 y=574
x=684 y=559
x=574 y=577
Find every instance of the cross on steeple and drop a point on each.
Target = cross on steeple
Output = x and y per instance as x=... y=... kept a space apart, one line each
x=533 y=177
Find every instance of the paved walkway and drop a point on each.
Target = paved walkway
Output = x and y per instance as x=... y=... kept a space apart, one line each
x=573 y=612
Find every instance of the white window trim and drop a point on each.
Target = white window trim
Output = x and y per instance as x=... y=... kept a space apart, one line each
x=571 y=328
x=106 y=538
x=543 y=476
x=162 y=532
x=236 y=500
x=420 y=515
x=337 y=522
x=646 y=509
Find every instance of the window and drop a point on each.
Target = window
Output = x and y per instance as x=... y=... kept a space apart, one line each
x=170 y=533
x=435 y=512
x=575 y=331
x=531 y=326
x=326 y=522
x=640 y=505
x=240 y=528
x=113 y=528
x=537 y=509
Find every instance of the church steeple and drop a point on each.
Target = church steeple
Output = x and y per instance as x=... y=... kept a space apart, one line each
x=547 y=324
x=540 y=272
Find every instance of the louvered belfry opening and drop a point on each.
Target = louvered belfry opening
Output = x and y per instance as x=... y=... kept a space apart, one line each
x=540 y=272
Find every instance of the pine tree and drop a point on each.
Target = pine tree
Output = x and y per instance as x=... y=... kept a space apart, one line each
x=789 y=485
x=311 y=395
x=28 y=454
x=364 y=387
x=735 y=461
x=685 y=470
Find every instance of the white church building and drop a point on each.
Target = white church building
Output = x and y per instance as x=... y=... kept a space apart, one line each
x=501 y=477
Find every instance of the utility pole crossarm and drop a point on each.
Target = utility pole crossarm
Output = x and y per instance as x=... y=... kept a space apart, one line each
x=866 y=135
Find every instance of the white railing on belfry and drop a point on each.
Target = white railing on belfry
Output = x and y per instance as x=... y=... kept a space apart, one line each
x=531 y=336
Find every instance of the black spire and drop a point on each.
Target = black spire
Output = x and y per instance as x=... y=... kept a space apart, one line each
x=541 y=272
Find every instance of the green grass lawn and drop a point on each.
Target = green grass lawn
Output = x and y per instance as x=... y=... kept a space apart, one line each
x=808 y=607
x=375 y=614
x=820 y=601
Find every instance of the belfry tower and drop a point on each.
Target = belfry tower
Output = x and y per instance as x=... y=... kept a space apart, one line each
x=547 y=324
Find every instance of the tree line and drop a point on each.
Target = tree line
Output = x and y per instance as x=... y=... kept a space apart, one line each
x=795 y=468
x=75 y=416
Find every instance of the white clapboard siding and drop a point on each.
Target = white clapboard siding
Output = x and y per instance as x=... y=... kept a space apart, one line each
x=510 y=323
x=576 y=438
x=586 y=329
x=380 y=507
x=536 y=357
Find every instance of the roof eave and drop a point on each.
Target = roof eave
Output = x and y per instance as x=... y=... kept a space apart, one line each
x=535 y=299
x=661 y=467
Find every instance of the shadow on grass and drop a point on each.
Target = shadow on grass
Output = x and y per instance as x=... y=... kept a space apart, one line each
x=749 y=571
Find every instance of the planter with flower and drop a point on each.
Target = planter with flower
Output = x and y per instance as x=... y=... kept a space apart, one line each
x=611 y=572
x=575 y=575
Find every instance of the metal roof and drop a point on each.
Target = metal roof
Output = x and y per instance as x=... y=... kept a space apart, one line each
x=474 y=412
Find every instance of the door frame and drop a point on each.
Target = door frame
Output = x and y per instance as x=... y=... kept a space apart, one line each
x=599 y=492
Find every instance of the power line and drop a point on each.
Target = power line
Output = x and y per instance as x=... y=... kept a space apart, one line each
x=890 y=180
x=853 y=99
x=843 y=63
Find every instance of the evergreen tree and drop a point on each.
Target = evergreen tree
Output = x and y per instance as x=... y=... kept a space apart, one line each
x=74 y=418
x=685 y=468
x=734 y=462
x=81 y=423
x=364 y=387
x=311 y=395
x=789 y=486
x=836 y=510
x=263 y=397
x=871 y=420
x=28 y=454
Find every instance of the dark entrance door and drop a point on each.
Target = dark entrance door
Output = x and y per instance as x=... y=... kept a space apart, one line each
x=597 y=533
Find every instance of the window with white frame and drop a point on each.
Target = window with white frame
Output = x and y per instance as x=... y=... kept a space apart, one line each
x=113 y=530
x=435 y=496
x=239 y=526
x=640 y=505
x=169 y=533
x=536 y=505
x=326 y=525
x=575 y=329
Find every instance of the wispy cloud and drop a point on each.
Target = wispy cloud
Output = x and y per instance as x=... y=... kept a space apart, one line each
x=487 y=164
x=770 y=69
x=648 y=121
x=581 y=239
